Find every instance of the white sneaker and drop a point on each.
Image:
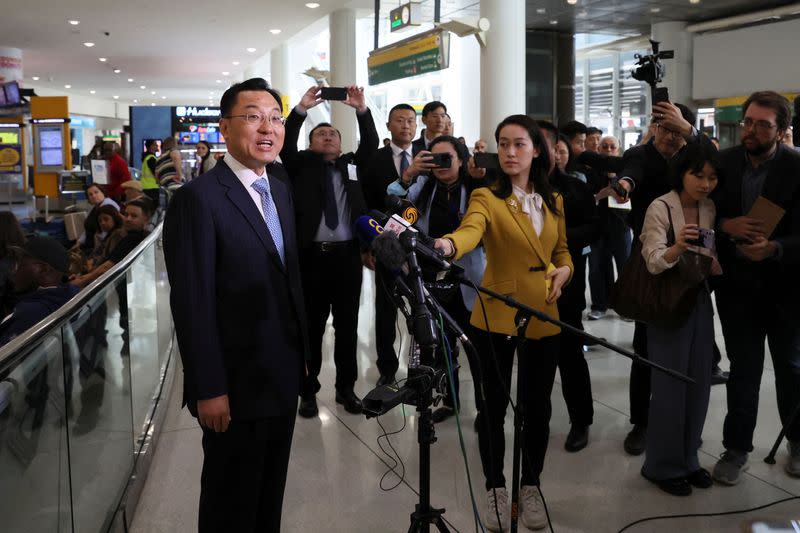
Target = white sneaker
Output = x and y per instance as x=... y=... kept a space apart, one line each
x=532 y=508
x=497 y=504
x=595 y=314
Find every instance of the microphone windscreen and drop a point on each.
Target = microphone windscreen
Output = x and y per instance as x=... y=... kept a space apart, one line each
x=393 y=203
x=388 y=251
x=367 y=229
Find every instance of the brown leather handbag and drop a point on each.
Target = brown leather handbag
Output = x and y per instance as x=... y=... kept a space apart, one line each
x=664 y=299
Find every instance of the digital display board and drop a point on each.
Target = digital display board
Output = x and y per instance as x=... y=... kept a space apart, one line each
x=50 y=146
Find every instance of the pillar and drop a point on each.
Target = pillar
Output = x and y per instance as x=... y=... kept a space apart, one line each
x=502 y=64
x=343 y=72
x=279 y=68
x=673 y=36
x=565 y=77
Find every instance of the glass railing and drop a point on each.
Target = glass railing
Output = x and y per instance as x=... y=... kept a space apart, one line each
x=80 y=402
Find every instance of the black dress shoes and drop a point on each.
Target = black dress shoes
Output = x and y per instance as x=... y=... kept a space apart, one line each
x=700 y=479
x=308 y=406
x=636 y=440
x=678 y=486
x=385 y=379
x=577 y=438
x=350 y=401
x=718 y=376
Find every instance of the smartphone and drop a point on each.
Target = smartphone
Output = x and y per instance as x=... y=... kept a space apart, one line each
x=619 y=189
x=486 y=160
x=333 y=93
x=706 y=239
x=660 y=94
x=441 y=160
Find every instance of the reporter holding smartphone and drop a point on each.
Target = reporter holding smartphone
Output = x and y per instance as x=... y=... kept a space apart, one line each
x=678 y=410
x=520 y=221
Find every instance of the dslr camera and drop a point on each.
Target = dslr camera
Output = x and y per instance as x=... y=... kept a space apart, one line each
x=651 y=70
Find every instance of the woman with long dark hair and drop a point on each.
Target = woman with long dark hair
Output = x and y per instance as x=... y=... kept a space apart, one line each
x=441 y=199
x=204 y=159
x=520 y=221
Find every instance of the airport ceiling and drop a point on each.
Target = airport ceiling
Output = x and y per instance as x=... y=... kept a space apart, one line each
x=179 y=49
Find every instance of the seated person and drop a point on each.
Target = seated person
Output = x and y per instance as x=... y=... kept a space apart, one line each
x=41 y=265
x=110 y=224
x=137 y=216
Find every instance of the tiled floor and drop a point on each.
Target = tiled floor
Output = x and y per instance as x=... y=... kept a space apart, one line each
x=336 y=467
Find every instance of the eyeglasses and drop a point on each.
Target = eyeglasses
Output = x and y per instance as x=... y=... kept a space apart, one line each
x=276 y=121
x=667 y=131
x=760 y=125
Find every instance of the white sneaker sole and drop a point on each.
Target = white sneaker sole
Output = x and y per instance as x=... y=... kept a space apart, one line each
x=730 y=482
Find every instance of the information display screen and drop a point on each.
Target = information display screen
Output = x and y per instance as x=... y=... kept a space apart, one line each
x=51 y=148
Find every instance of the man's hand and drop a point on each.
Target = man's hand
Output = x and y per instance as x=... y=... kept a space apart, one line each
x=760 y=250
x=558 y=278
x=214 y=413
x=744 y=227
x=368 y=260
x=420 y=164
x=355 y=98
x=668 y=115
x=310 y=99
x=626 y=186
x=650 y=133
x=475 y=172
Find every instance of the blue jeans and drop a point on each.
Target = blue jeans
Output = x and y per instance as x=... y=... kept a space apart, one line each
x=614 y=242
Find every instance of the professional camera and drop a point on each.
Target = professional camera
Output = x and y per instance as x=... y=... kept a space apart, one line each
x=649 y=68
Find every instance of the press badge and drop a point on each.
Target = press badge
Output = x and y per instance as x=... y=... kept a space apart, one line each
x=352 y=172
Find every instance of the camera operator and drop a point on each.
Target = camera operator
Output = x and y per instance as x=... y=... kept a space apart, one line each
x=520 y=220
x=582 y=228
x=442 y=199
x=328 y=198
x=758 y=293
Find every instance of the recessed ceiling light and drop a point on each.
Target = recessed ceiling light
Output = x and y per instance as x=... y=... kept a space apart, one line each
x=226 y=73
x=694 y=1
x=163 y=97
x=312 y=5
x=275 y=31
x=583 y=14
x=35 y=78
x=135 y=101
x=130 y=80
x=92 y=91
x=235 y=63
x=541 y=11
x=115 y=97
x=68 y=86
x=88 y=45
x=117 y=70
x=251 y=50
x=655 y=9
x=218 y=81
x=553 y=22
x=74 y=22
x=152 y=92
x=102 y=59
x=572 y=2
x=152 y=104
x=143 y=86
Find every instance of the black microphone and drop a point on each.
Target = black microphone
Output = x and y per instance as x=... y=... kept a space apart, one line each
x=403 y=207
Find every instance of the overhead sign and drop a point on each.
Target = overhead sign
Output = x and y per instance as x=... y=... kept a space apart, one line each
x=402 y=17
x=192 y=111
x=426 y=52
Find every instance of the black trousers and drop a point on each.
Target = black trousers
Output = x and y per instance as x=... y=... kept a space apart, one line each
x=749 y=317
x=244 y=475
x=537 y=371
x=576 y=385
x=332 y=284
x=385 y=325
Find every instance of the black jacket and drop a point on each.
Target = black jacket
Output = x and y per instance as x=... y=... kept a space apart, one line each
x=782 y=186
x=380 y=173
x=33 y=308
x=649 y=171
x=306 y=171
x=238 y=309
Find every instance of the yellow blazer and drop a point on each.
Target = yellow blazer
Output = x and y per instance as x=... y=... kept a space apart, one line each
x=516 y=258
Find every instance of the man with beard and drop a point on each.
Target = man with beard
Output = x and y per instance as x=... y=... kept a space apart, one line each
x=757 y=294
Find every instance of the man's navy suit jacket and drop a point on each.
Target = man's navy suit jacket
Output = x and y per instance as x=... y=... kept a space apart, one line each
x=238 y=311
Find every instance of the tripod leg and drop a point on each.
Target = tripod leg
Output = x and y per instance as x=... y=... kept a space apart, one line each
x=770 y=459
x=441 y=525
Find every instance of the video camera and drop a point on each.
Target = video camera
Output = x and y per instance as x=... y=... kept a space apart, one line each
x=649 y=68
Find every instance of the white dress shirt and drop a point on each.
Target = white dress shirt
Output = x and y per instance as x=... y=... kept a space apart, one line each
x=397 y=155
x=531 y=205
x=247 y=177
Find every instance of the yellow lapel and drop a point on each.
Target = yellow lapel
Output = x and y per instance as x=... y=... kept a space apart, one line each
x=524 y=223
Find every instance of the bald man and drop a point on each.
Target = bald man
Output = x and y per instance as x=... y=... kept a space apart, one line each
x=609 y=145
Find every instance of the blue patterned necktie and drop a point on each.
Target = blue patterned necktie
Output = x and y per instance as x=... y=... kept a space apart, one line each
x=403 y=162
x=271 y=215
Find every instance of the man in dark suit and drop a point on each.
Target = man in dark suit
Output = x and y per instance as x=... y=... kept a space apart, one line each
x=401 y=157
x=236 y=297
x=329 y=198
x=759 y=289
x=434 y=117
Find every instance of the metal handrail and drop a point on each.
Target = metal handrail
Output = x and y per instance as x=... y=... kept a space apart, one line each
x=57 y=319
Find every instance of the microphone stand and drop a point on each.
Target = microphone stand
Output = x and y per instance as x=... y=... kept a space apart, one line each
x=522 y=319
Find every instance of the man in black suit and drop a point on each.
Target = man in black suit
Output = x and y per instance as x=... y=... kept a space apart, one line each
x=236 y=297
x=401 y=157
x=434 y=117
x=329 y=198
x=759 y=289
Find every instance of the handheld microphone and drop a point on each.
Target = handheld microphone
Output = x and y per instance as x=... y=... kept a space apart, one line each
x=403 y=207
x=367 y=229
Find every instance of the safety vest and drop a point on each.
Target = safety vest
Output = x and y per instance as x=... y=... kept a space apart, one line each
x=148 y=179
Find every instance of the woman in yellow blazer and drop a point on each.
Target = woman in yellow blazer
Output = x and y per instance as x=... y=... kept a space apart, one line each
x=520 y=221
